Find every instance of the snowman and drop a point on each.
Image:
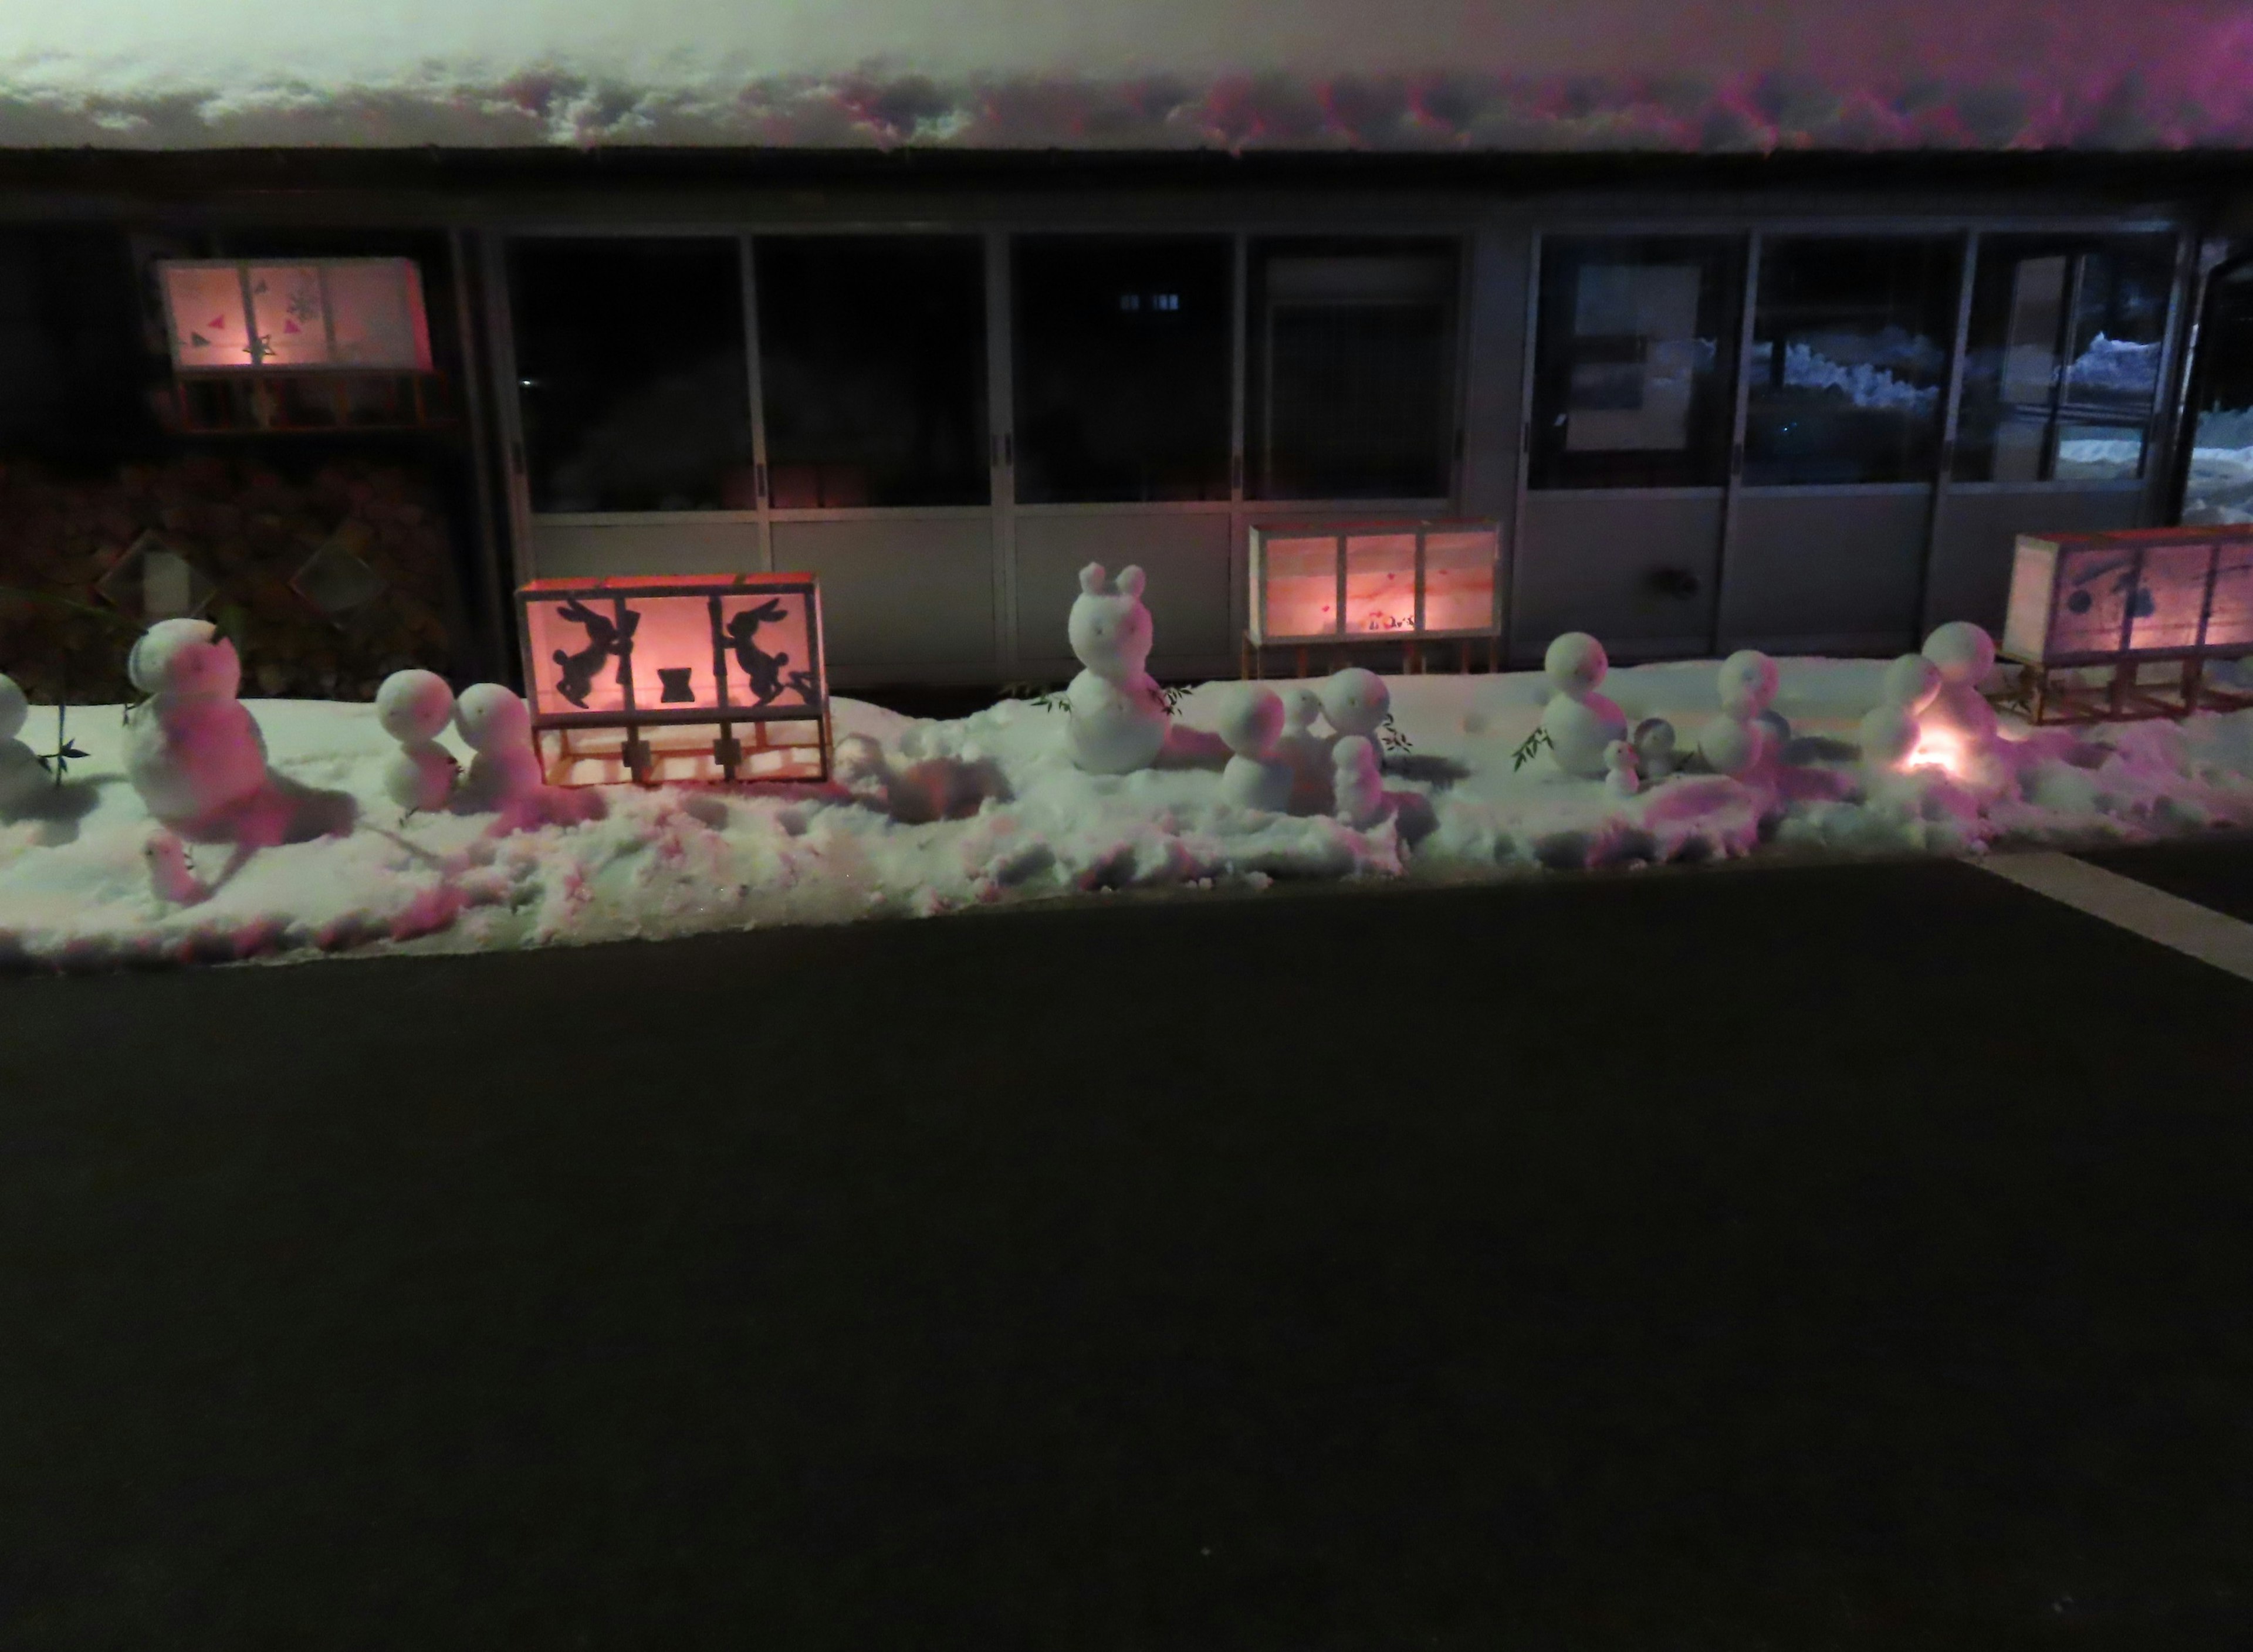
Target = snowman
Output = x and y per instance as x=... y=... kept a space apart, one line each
x=503 y=768
x=1356 y=787
x=1655 y=756
x=1579 y=721
x=1305 y=751
x=1964 y=654
x=1356 y=702
x=1257 y=776
x=1741 y=738
x=20 y=774
x=1117 y=720
x=1891 y=730
x=193 y=751
x=414 y=707
x=1620 y=776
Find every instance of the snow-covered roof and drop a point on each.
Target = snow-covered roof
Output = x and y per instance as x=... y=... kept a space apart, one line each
x=1277 y=75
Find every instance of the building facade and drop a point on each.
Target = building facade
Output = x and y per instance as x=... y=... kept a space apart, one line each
x=1802 y=403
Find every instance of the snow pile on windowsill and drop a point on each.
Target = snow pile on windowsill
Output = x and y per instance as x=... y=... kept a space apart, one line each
x=988 y=809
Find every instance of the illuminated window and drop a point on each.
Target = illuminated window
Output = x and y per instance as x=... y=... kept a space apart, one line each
x=352 y=314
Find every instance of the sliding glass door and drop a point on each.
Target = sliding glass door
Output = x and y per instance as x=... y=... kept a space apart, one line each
x=1628 y=422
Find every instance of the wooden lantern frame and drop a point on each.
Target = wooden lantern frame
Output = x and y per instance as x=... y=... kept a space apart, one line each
x=2055 y=685
x=1259 y=638
x=729 y=756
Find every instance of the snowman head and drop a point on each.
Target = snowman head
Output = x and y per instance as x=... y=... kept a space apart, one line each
x=1747 y=683
x=1356 y=700
x=413 y=706
x=1575 y=662
x=1300 y=710
x=1620 y=755
x=490 y=718
x=1252 y=719
x=1964 y=652
x=1910 y=682
x=1110 y=632
x=186 y=657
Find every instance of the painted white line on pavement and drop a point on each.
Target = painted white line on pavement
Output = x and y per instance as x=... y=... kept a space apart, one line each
x=2157 y=915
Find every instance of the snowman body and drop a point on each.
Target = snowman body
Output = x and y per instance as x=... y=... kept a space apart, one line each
x=20 y=773
x=1357 y=787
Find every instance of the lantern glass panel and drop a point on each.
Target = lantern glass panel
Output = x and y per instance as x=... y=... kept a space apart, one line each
x=1380 y=583
x=573 y=655
x=2171 y=595
x=2095 y=584
x=1459 y=581
x=2230 y=623
x=1301 y=595
x=769 y=650
x=288 y=316
x=375 y=314
x=204 y=302
x=672 y=653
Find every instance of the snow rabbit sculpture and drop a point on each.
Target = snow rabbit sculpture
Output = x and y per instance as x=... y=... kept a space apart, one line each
x=1117 y=717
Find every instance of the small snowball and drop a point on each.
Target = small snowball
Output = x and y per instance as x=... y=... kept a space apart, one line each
x=1911 y=681
x=1653 y=746
x=1575 y=662
x=489 y=717
x=414 y=706
x=15 y=709
x=1964 y=652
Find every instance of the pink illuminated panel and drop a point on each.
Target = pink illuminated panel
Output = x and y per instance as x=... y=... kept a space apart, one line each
x=1302 y=588
x=291 y=314
x=2231 y=621
x=768 y=649
x=204 y=304
x=1459 y=581
x=2171 y=598
x=575 y=652
x=375 y=308
x=364 y=314
x=1380 y=583
x=2089 y=602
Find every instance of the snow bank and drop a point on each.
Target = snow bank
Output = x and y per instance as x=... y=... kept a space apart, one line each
x=930 y=817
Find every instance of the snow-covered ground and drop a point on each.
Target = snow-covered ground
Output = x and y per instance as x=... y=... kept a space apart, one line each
x=987 y=808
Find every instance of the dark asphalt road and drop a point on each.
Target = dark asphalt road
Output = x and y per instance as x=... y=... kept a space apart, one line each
x=1797 y=1258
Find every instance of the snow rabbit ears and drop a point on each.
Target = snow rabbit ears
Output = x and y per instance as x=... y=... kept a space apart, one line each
x=185 y=657
x=1110 y=634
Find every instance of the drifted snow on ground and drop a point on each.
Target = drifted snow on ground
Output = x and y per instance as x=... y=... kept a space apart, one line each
x=987 y=810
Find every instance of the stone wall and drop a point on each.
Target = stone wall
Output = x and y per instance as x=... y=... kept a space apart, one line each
x=250 y=530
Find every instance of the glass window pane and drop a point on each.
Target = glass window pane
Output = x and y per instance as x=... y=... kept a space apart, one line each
x=1351 y=392
x=1122 y=365
x=1632 y=362
x=2062 y=361
x=872 y=359
x=1380 y=582
x=633 y=380
x=1851 y=338
x=2220 y=485
x=1459 y=581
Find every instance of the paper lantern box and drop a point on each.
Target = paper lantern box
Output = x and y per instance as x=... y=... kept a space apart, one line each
x=1327 y=583
x=339 y=315
x=679 y=678
x=2168 y=593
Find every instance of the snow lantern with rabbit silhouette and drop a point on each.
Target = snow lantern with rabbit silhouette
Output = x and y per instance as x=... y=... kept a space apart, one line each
x=677 y=677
